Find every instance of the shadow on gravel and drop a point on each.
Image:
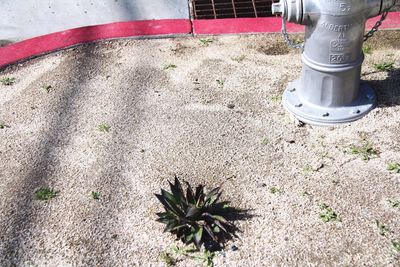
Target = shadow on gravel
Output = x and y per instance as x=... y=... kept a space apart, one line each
x=42 y=162
x=388 y=90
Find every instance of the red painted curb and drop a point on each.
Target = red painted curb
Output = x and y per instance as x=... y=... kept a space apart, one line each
x=50 y=42
x=43 y=44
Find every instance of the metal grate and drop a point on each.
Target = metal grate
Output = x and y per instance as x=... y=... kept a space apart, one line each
x=219 y=9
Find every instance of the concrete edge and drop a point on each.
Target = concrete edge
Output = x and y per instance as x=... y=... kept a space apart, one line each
x=33 y=47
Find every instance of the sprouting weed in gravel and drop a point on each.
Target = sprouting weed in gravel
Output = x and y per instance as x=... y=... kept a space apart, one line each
x=95 y=195
x=309 y=169
x=3 y=126
x=396 y=245
x=221 y=82
x=7 y=80
x=366 y=151
x=47 y=88
x=104 y=127
x=394 y=167
x=167 y=259
x=394 y=203
x=45 y=193
x=275 y=190
x=265 y=141
x=276 y=97
x=206 y=258
x=239 y=59
x=206 y=42
x=383 y=230
x=305 y=194
x=367 y=49
x=170 y=66
x=327 y=214
x=182 y=251
x=385 y=66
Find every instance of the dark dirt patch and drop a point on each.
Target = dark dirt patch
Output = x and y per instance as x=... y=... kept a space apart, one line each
x=385 y=39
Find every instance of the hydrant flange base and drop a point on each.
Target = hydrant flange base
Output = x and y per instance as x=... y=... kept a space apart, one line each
x=319 y=115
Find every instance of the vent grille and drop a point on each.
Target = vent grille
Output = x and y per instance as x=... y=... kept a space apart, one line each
x=219 y=9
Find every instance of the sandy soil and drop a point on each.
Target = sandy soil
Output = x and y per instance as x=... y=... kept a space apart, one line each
x=182 y=121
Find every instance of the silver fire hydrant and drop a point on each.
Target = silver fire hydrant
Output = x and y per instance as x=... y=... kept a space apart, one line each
x=330 y=90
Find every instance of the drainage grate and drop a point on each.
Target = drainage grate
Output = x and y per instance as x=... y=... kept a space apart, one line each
x=219 y=9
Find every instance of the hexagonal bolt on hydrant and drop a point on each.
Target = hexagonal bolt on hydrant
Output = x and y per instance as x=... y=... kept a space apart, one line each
x=330 y=90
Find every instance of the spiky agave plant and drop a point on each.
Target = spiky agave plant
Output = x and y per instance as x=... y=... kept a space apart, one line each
x=196 y=217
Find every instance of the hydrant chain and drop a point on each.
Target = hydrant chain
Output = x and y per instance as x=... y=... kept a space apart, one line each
x=290 y=42
x=379 y=22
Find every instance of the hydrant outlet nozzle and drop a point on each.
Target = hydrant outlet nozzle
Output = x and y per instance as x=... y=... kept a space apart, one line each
x=291 y=10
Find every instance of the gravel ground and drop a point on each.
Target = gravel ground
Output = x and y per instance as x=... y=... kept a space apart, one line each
x=167 y=120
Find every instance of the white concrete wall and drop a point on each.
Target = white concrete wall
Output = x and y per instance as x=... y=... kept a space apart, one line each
x=22 y=19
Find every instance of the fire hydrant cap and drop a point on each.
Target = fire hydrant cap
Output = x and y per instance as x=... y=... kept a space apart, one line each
x=291 y=10
x=278 y=8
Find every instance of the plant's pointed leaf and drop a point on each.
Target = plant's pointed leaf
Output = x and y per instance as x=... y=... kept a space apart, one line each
x=169 y=227
x=177 y=191
x=212 y=197
x=199 y=195
x=221 y=227
x=220 y=218
x=176 y=228
x=190 y=194
x=163 y=201
x=192 y=211
x=198 y=236
x=189 y=238
x=210 y=232
x=169 y=198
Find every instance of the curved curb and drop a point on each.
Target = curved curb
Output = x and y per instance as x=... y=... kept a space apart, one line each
x=47 y=43
x=54 y=41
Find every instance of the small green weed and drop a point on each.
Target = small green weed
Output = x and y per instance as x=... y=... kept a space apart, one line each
x=305 y=194
x=367 y=49
x=239 y=59
x=167 y=259
x=7 y=80
x=170 y=66
x=47 y=88
x=394 y=167
x=307 y=169
x=382 y=229
x=45 y=194
x=396 y=245
x=95 y=195
x=265 y=141
x=394 y=203
x=206 y=42
x=385 y=66
x=104 y=127
x=276 y=98
x=366 y=151
x=275 y=190
x=3 y=125
x=206 y=258
x=327 y=214
x=221 y=82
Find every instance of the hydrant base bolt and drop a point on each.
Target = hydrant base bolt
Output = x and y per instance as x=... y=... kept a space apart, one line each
x=327 y=115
